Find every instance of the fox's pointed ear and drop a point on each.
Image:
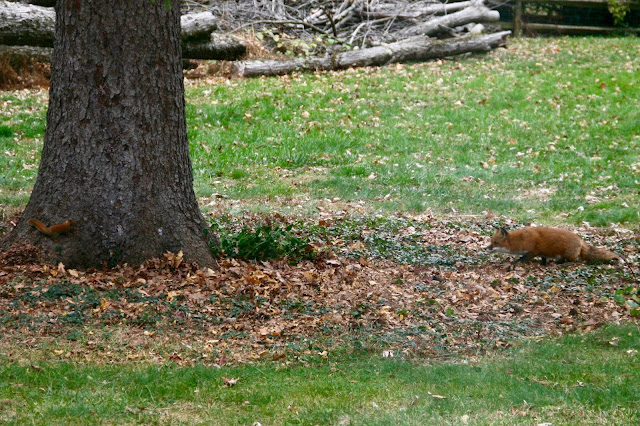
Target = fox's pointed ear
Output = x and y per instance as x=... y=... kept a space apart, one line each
x=501 y=230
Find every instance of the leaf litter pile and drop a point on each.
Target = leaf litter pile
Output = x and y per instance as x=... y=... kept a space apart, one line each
x=407 y=286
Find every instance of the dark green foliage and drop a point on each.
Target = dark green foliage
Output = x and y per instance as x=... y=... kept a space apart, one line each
x=629 y=296
x=62 y=290
x=265 y=242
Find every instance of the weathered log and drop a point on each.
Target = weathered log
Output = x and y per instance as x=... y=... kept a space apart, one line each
x=29 y=25
x=218 y=46
x=23 y=24
x=391 y=10
x=25 y=53
x=420 y=48
x=474 y=13
x=223 y=47
x=197 y=25
x=267 y=68
x=221 y=50
x=571 y=29
x=26 y=24
x=47 y=3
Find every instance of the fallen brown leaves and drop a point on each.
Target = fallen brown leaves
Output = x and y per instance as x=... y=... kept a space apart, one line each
x=170 y=311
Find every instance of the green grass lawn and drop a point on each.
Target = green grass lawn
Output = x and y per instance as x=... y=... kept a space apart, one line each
x=546 y=130
x=580 y=379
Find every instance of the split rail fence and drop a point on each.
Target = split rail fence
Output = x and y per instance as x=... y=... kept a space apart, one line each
x=568 y=16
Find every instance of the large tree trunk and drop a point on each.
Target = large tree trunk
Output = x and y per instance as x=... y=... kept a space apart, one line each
x=115 y=159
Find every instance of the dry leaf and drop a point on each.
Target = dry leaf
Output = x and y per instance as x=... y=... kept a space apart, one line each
x=436 y=396
x=230 y=382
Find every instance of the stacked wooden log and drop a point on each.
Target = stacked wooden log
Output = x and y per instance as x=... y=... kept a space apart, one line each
x=362 y=23
x=366 y=22
x=28 y=30
x=413 y=49
x=383 y=32
x=361 y=32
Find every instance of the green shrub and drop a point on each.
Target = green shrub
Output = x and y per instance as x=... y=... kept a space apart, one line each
x=264 y=243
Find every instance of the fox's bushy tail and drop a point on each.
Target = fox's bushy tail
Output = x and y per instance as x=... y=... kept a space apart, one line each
x=593 y=254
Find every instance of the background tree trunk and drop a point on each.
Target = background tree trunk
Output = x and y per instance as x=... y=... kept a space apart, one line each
x=115 y=158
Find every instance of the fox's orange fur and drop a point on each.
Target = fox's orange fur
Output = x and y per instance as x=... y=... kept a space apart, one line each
x=548 y=243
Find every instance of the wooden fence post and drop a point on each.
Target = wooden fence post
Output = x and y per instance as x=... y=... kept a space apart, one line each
x=517 y=20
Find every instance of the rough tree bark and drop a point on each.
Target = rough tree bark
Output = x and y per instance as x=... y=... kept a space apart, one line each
x=115 y=159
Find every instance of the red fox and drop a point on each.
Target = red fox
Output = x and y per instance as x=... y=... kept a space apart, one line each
x=553 y=243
